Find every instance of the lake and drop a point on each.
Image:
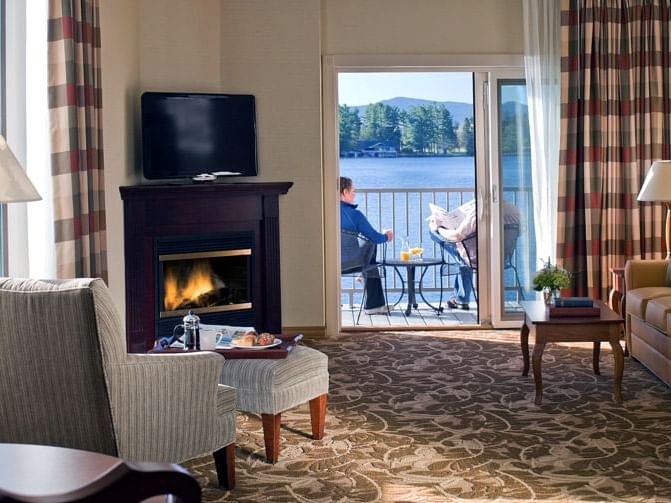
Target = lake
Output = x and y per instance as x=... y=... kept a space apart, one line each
x=402 y=173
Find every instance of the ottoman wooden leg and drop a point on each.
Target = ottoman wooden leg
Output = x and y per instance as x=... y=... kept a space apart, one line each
x=224 y=462
x=271 y=436
x=318 y=416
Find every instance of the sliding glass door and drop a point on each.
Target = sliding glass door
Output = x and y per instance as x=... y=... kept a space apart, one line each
x=514 y=256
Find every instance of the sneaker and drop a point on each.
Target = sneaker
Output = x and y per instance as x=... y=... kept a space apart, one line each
x=453 y=304
x=378 y=310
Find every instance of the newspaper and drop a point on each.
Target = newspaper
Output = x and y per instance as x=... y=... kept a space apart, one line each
x=448 y=219
x=224 y=335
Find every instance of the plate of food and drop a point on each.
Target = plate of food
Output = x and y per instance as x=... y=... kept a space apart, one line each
x=252 y=340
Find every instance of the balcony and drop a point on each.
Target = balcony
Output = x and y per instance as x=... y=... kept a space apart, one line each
x=406 y=212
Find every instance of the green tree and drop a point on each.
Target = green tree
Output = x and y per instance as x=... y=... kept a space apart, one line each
x=382 y=123
x=350 y=128
x=446 y=134
x=467 y=136
x=420 y=129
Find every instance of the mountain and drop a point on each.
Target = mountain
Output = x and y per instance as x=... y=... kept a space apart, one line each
x=458 y=109
x=513 y=108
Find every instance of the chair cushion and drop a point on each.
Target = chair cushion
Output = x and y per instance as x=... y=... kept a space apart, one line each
x=271 y=386
x=637 y=299
x=657 y=311
x=225 y=399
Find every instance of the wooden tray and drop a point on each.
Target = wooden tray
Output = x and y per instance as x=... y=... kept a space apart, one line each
x=288 y=343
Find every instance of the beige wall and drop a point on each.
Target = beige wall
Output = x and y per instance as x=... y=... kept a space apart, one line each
x=423 y=27
x=120 y=75
x=274 y=53
x=272 y=49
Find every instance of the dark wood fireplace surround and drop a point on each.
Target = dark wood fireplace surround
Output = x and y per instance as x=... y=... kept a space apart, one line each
x=156 y=211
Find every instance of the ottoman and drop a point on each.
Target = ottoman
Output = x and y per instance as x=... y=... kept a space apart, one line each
x=270 y=386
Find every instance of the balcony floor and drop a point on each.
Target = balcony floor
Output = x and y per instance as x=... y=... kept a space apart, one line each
x=424 y=317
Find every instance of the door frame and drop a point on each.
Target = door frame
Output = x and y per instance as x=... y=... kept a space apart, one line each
x=479 y=64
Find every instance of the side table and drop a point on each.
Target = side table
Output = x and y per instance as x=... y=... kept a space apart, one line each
x=617 y=297
x=48 y=473
x=410 y=266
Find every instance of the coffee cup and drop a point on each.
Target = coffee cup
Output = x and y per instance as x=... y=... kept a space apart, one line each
x=208 y=339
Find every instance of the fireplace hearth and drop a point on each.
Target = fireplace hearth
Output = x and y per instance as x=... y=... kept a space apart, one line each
x=210 y=248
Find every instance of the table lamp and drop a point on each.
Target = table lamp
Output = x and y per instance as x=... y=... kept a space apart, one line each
x=14 y=183
x=657 y=188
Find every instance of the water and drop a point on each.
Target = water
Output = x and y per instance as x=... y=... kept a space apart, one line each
x=437 y=173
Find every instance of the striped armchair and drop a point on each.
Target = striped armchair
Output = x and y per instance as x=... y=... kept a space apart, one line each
x=66 y=380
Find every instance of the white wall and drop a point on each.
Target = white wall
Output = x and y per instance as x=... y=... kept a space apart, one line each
x=273 y=49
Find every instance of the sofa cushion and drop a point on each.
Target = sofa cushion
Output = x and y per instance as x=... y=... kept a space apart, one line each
x=637 y=300
x=657 y=311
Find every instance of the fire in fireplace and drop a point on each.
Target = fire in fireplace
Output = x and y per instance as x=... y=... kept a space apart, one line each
x=206 y=282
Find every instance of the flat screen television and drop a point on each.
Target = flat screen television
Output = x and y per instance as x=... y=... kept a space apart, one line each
x=187 y=134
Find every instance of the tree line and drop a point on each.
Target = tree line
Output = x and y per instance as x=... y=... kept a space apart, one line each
x=422 y=130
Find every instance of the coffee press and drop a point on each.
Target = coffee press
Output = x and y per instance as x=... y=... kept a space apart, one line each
x=191 y=326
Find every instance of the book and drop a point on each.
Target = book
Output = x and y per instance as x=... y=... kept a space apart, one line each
x=574 y=312
x=574 y=302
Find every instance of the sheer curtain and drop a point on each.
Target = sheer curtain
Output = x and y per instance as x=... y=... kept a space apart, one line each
x=542 y=67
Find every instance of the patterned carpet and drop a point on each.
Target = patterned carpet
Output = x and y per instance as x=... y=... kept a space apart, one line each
x=448 y=417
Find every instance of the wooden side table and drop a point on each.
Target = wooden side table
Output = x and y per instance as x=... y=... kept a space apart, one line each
x=617 y=298
x=545 y=329
x=617 y=295
x=52 y=474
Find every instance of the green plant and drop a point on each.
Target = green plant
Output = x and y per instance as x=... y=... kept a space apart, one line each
x=551 y=277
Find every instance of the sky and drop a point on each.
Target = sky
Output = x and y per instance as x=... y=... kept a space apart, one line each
x=364 y=88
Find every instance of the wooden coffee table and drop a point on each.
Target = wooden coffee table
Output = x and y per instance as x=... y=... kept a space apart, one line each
x=595 y=329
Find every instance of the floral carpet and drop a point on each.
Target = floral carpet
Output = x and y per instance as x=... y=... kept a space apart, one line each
x=448 y=417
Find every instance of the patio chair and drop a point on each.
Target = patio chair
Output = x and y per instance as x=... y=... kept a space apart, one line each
x=511 y=233
x=357 y=254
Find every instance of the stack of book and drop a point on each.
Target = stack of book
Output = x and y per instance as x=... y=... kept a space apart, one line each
x=574 y=307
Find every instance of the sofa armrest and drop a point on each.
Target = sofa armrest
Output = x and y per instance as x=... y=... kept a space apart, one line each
x=165 y=406
x=643 y=273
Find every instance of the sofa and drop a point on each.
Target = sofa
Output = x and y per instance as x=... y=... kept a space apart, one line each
x=648 y=314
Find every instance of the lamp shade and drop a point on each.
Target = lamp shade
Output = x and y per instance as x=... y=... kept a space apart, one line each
x=14 y=183
x=657 y=184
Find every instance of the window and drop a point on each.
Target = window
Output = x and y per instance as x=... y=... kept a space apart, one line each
x=3 y=212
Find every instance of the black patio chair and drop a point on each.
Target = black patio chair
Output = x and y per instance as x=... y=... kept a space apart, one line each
x=356 y=259
x=511 y=233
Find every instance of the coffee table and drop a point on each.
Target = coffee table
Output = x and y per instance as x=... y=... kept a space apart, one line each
x=594 y=329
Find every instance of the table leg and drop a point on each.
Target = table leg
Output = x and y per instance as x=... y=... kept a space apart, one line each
x=595 y=357
x=536 y=358
x=524 y=342
x=412 y=302
x=618 y=355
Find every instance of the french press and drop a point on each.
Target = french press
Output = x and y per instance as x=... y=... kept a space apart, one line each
x=191 y=327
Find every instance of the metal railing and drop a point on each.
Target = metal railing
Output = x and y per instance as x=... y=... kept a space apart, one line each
x=406 y=212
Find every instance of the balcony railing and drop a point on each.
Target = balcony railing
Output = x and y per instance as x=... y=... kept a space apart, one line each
x=406 y=212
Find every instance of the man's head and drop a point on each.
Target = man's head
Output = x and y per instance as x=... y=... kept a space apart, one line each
x=347 y=193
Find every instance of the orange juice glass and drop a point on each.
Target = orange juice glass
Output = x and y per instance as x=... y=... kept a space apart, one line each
x=405 y=255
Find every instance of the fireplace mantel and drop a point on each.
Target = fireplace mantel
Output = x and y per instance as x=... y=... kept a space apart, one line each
x=156 y=211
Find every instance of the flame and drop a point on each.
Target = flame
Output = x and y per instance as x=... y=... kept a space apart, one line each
x=198 y=283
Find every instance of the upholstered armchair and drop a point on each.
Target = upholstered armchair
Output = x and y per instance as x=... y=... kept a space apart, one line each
x=66 y=380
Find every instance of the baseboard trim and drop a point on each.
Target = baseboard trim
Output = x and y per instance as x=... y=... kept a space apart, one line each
x=308 y=332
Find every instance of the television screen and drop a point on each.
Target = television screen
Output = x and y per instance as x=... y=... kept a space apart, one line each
x=186 y=134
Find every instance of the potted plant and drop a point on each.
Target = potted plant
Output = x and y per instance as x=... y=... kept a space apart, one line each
x=550 y=279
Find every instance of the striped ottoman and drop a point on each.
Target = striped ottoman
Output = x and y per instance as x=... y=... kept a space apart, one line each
x=269 y=387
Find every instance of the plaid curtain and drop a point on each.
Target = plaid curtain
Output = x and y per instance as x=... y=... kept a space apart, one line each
x=76 y=138
x=616 y=119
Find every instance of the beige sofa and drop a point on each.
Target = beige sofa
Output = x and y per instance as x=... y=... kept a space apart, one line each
x=648 y=314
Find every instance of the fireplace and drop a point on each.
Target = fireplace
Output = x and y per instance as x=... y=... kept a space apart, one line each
x=207 y=282
x=209 y=248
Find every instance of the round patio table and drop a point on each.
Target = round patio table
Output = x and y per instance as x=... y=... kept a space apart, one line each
x=411 y=267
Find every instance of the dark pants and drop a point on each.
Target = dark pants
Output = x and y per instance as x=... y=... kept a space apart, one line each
x=374 y=294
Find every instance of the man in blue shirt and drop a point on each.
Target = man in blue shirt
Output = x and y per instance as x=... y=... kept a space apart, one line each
x=352 y=219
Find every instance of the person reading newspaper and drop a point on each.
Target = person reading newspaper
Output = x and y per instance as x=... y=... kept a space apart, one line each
x=459 y=228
